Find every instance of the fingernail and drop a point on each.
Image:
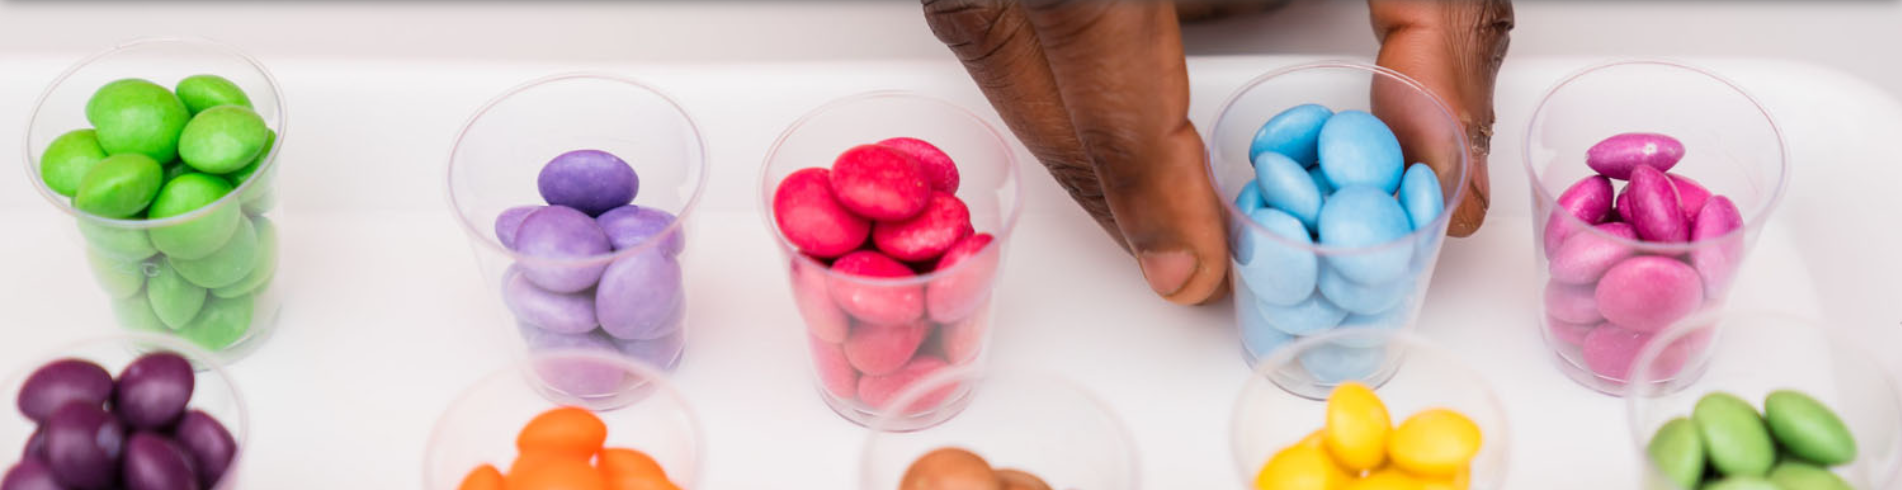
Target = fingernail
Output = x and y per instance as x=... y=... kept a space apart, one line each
x=1168 y=272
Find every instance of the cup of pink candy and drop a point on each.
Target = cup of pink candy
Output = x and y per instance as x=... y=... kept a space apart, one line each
x=1646 y=202
x=893 y=211
x=573 y=189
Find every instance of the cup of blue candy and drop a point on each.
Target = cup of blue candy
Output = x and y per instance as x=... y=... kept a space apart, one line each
x=1338 y=179
x=573 y=190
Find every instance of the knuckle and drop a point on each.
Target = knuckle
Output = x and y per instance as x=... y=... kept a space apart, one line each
x=959 y=23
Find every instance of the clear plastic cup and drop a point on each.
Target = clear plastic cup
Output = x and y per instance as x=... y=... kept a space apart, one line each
x=956 y=311
x=1749 y=354
x=213 y=391
x=234 y=317
x=1276 y=302
x=641 y=409
x=637 y=307
x=1035 y=422
x=1286 y=399
x=1732 y=148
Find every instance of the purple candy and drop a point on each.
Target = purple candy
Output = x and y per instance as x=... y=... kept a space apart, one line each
x=1647 y=293
x=35 y=445
x=1690 y=195
x=662 y=353
x=1571 y=303
x=30 y=474
x=1568 y=332
x=591 y=181
x=83 y=444
x=1589 y=199
x=640 y=297
x=1585 y=256
x=510 y=221
x=576 y=375
x=629 y=226
x=559 y=232
x=1618 y=156
x=209 y=444
x=153 y=391
x=1716 y=262
x=1654 y=209
x=555 y=312
x=155 y=463
x=62 y=381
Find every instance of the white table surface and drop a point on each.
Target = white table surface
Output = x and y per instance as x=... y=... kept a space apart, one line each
x=385 y=321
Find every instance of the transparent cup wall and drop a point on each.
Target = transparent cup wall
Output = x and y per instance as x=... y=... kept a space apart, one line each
x=1754 y=353
x=953 y=306
x=641 y=291
x=1732 y=147
x=1285 y=288
x=126 y=256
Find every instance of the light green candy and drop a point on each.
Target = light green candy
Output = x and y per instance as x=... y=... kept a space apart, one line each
x=222 y=139
x=123 y=243
x=223 y=323
x=135 y=313
x=266 y=264
x=262 y=203
x=174 y=299
x=230 y=264
x=137 y=116
x=67 y=159
x=120 y=278
x=238 y=177
x=119 y=186
x=1743 y=483
x=200 y=237
x=1736 y=439
x=1808 y=429
x=175 y=169
x=200 y=92
x=1797 y=475
x=1678 y=452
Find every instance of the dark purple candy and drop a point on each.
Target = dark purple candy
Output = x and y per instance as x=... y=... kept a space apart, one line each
x=83 y=444
x=507 y=223
x=591 y=181
x=30 y=474
x=639 y=297
x=210 y=445
x=153 y=462
x=62 y=381
x=35 y=445
x=558 y=232
x=629 y=226
x=153 y=391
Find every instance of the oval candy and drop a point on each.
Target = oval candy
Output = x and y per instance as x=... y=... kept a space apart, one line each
x=1647 y=293
x=1585 y=257
x=1808 y=428
x=1654 y=210
x=1620 y=155
x=1734 y=435
x=1287 y=187
x=1357 y=149
x=1294 y=133
x=1365 y=218
x=1278 y=273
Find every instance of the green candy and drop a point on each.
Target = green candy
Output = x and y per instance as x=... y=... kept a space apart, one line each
x=1735 y=437
x=200 y=92
x=222 y=139
x=68 y=158
x=135 y=313
x=230 y=264
x=1743 y=483
x=119 y=277
x=175 y=169
x=1678 y=452
x=119 y=186
x=266 y=264
x=123 y=243
x=137 y=116
x=1797 y=475
x=261 y=203
x=1808 y=429
x=241 y=175
x=174 y=299
x=223 y=323
x=199 y=237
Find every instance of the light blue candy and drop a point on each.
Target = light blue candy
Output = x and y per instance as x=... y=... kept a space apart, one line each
x=1336 y=362
x=1311 y=316
x=1292 y=133
x=1320 y=182
x=1259 y=337
x=1363 y=217
x=1392 y=319
x=1420 y=195
x=1278 y=272
x=1358 y=150
x=1287 y=187
x=1363 y=299
x=1249 y=199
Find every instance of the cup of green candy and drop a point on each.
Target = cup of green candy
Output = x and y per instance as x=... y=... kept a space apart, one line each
x=1781 y=404
x=163 y=151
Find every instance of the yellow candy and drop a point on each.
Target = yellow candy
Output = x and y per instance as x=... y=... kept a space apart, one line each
x=1435 y=443
x=1314 y=439
x=1459 y=481
x=1301 y=467
x=1357 y=427
x=1387 y=479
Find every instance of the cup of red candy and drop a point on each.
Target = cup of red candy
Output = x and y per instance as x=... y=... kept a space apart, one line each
x=893 y=211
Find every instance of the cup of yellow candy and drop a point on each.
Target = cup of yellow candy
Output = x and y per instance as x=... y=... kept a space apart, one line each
x=1415 y=418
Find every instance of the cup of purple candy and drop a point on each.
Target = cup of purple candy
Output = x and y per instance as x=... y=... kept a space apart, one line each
x=573 y=190
x=1645 y=203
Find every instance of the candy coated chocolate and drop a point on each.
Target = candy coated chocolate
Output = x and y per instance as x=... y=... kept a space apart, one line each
x=1720 y=250
x=640 y=296
x=960 y=288
x=1365 y=218
x=1572 y=303
x=1357 y=149
x=1654 y=209
x=879 y=392
x=561 y=232
x=944 y=222
x=1586 y=256
x=877 y=302
x=1277 y=272
x=510 y=221
x=590 y=181
x=1308 y=317
x=631 y=226
x=1647 y=293
x=940 y=172
x=879 y=183
x=877 y=350
x=1287 y=187
x=1294 y=133
x=811 y=217
x=1619 y=156
x=549 y=310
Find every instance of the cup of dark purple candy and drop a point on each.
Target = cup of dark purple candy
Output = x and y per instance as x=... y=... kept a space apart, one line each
x=573 y=190
x=136 y=411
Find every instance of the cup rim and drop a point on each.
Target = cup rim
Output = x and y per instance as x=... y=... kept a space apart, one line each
x=202 y=362
x=1463 y=157
x=1014 y=179
x=489 y=241
x=282 y=126
x=1758 y=216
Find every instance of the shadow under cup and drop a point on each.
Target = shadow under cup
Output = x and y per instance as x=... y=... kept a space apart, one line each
x=870 y=338
x=1289 y=288
x=630 y=301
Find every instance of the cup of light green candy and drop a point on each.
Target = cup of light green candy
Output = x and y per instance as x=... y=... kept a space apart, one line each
x=163 y=151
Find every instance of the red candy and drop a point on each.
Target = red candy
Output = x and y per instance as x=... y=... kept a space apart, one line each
x=961 y=290
x=928 y=235
x=879 y=183
x=877 y=350
x=939 y=171
x=881 y=304
x=823 y=317
x=835 y=372
x=879 y=391
x=963 y=340
x=811 y=217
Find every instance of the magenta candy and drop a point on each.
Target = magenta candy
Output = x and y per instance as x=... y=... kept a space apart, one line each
x=1716 y=262
x=1585 y=256
x=1648 y=293
x=940 y=171
x=944 y=222
x=1654 y=208
x=1622 y=212
x=1589 y=199
x=835 y=371
x=153 y=391
x=962 y=341
x=30 y=474
x=879 y=183
x=810 y=216
x=1609 y=350
x=876 y=303
x=824 y=320
x=1691 y=195
x=153 y=462
x=1619 y=156
x=60 y=382
x=1571 y=303
x=878 y=350
x=209 y=444
x=1568 y=332
x=880 y=391
x=961 y=288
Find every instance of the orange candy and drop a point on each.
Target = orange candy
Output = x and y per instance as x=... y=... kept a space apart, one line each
x=484 y=477
x=548 y=472
x=561 y=449
x=627 y=469
x=567 y=431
